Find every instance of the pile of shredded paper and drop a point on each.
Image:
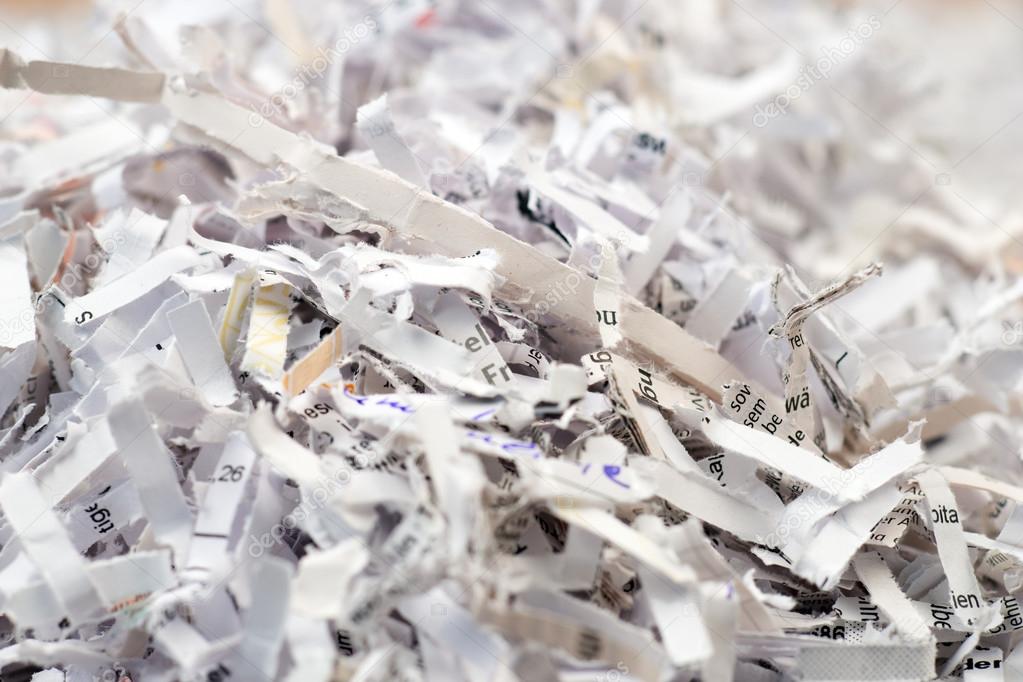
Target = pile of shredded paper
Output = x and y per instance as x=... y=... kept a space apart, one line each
x=473 y=340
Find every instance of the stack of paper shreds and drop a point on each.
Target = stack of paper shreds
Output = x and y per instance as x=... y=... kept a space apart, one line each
x=501 y=341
